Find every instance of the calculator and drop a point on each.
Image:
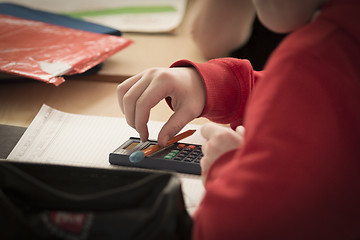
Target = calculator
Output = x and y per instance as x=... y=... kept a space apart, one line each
x=179 y=157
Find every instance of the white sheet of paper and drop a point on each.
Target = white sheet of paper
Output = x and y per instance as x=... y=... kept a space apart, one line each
x=126 y=21
x=147 y=22
x=56 y=137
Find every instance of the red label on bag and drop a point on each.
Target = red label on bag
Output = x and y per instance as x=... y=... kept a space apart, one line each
x=73 y=224
x=70 y=222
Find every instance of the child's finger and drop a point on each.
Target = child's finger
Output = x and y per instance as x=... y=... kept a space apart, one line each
x=208 y=130
x=149 y=98
x=131 y=99
x=124 y=87
x=175 y=123
x=240 y=130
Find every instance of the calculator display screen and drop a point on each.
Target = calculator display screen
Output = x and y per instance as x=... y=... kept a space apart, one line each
x=131 y=145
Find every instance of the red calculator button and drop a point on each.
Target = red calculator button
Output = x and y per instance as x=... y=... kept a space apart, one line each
x=181 y=145
x=191 y=147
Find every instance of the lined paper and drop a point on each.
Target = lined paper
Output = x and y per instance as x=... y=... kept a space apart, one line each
x=56 y=137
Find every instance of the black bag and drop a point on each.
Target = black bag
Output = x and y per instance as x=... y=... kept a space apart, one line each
x=39 y=201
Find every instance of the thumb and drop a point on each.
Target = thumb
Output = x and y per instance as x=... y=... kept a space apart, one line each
x=240 y=130
x=176 y=122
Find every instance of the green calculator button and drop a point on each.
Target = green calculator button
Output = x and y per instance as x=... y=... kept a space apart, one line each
x=171 y=154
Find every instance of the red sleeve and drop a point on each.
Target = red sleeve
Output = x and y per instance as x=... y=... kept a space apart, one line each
x=297 y=174
x=228 y=83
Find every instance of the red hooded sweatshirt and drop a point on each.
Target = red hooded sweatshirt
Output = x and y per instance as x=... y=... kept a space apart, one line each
x=297 y=175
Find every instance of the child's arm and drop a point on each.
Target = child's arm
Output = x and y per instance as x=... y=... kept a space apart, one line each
x=228 y=84
x=138 y=94
x=217 y=90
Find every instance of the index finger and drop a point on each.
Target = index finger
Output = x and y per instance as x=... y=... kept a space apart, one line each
x=124 y=87
x=149 y=98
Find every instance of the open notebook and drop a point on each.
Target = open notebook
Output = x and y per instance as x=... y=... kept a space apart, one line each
x=56 y=137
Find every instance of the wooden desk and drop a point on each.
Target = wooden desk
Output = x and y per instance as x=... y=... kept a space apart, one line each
x=21 y=100
x=152 y=51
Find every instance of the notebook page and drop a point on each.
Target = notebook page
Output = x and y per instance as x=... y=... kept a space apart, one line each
x=56 y=137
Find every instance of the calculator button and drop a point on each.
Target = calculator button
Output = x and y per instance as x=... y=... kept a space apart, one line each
x=182 y=155
x=191 y=147
x=197 y=151
x=192 y=156
x=181 y=145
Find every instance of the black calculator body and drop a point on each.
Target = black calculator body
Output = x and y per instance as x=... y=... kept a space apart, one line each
x=179 y=157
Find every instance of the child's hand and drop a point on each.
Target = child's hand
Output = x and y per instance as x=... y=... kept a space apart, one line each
x=219 y=140
x=138 y=94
